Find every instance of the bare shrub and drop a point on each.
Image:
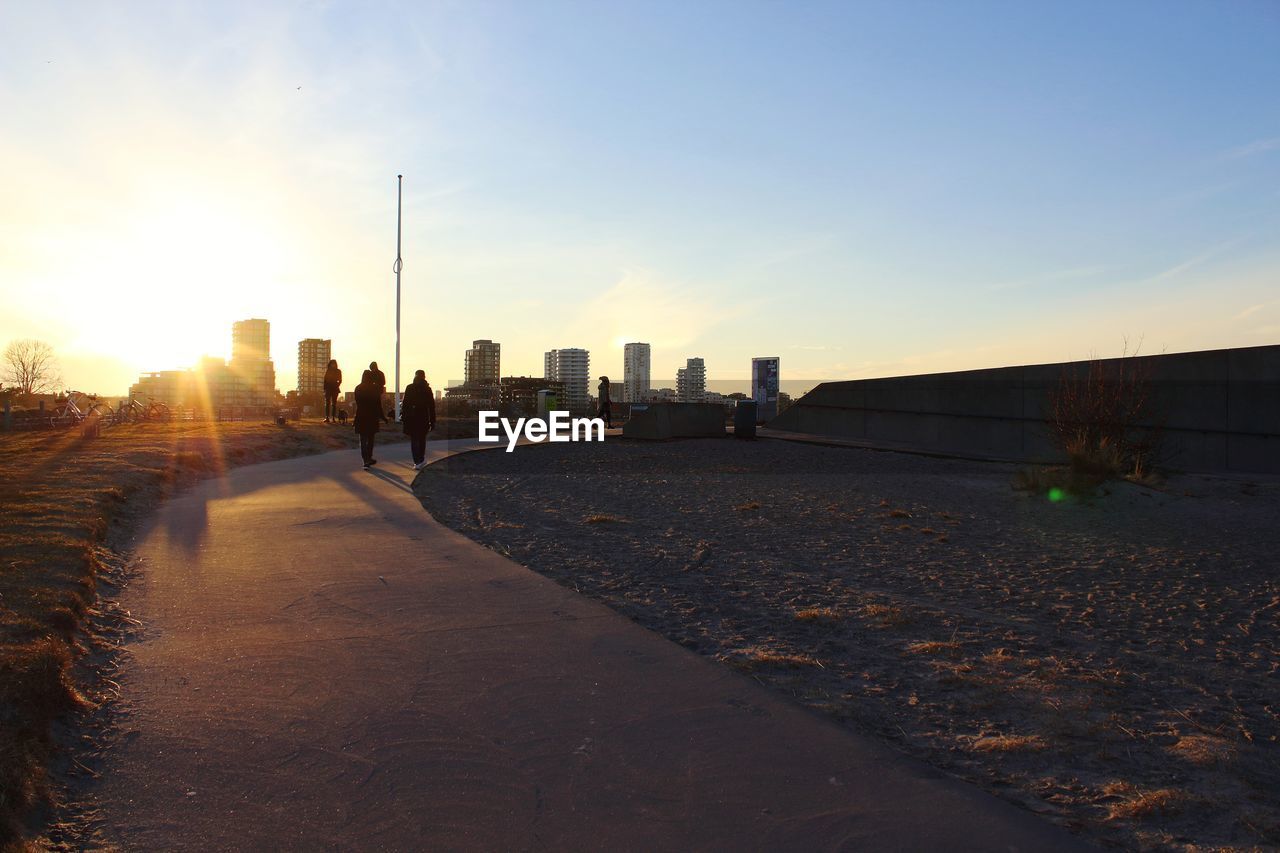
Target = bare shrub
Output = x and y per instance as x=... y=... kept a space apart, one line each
x=1103 y=420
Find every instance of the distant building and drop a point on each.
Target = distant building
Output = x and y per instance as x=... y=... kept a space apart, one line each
x=520 y=393
x=572 y=368
x=480 y=396
x=635 y=372
x=661 y=395
x=250 y=339
x=166 y=386
x=253 y=382
x=248 y=381
x=691 y=381
x=313 y=360
x=483 y=363
x=764 y=386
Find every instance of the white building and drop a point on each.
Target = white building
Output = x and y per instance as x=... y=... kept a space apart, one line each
x=635 y=372
x=691 y=381
x=572 y=368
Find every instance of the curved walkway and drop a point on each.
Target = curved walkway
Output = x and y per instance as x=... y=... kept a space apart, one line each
x=325 y=667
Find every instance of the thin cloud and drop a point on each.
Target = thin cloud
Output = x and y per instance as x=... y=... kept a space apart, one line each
x=1195 y=261
x=1259 y=146
x=643 y=306
x=1253 y=309
x=1049 y=278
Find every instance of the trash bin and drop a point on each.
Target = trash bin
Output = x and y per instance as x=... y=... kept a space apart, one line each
x=744 y=420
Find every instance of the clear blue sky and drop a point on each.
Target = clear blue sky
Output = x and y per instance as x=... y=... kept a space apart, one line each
x=863 y=189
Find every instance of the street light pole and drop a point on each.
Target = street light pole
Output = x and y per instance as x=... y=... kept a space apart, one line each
x=399 y=265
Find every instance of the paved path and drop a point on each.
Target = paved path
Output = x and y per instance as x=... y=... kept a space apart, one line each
x=325 y=667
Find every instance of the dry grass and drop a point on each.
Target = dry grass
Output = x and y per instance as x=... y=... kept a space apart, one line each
x=59 y=494
x=934 y=647
x=603 y=518
x=749 y=659
x=886 y=615
x=1204 y=750
x=748 y=506
x=899 y=513
x=1138 y=804
x=818 y=614
x=1009 y=743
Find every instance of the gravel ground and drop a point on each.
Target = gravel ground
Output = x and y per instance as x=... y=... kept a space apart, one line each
x=1110 y=663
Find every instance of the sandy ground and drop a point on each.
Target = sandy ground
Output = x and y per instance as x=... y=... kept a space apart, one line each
x=1111 y=664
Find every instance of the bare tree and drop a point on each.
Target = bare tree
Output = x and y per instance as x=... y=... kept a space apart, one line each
x=30 y=368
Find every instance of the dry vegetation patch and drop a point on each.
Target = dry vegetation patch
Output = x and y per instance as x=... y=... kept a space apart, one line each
x=1138 y=804
x=934 y=647
x=1204 y=750
x=750 y=659
x=1009 y=743
x=603 y=518
x=818 y=614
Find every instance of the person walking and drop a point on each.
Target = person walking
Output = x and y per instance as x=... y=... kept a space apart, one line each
x=369 y=415
x=381 y=379
x=606 y=405
x=378 y=376
x=332 y=384
x=418 y=415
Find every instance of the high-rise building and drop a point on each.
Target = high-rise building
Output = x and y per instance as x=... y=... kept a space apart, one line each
x=691 y=381
x=253 y=381
x=250 y=339
x=635 y=372
x=313 y=360
x=483 y=363
x=572 y=368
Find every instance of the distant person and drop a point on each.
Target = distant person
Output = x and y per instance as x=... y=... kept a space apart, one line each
x=332 y=382
x=380 y=378
x=369 y=415
x=418 y=414
x=606 y=405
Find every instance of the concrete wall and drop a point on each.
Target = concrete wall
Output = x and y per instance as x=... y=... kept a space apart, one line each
x=676 y=420
x=1219 y=409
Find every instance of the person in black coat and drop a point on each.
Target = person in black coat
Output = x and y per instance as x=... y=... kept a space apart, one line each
x=378 y=376
x=332 y=384
x=381 y=379
x=606 y=405
x=418 y=414
x=369 y=415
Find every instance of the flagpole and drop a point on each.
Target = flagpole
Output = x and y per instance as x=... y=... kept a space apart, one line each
x=398 y=266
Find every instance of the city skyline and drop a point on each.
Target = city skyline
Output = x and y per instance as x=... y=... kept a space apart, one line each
x=863 y=189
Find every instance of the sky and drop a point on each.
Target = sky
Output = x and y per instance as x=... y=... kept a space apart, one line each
x=861 y=189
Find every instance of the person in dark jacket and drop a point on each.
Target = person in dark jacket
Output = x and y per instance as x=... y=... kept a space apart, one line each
x=332 y=383
x=606 y=405
x=380 y=378
x=369 y=415
x=418 y=414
